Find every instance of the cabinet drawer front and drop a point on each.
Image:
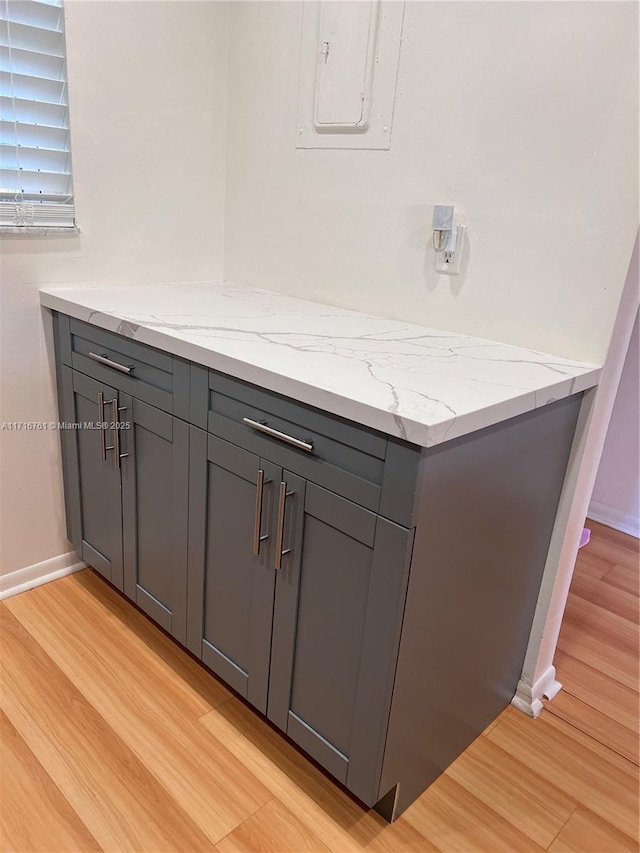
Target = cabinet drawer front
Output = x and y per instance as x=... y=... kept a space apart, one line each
x=344 y=458
x=134 y=368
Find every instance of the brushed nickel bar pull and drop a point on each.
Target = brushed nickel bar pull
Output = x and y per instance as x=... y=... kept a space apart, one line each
x=282 y=436
x=113 y=403
x=103 y=443
x=116 y=434
x=103 y=359
x=118 y=423
x=280 y=552
x=116 y=439
x=257 y=538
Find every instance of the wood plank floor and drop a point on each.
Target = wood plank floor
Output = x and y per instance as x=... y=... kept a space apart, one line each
x=114 y=739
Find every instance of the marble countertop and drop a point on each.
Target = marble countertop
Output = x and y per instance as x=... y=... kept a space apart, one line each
x=423 y=385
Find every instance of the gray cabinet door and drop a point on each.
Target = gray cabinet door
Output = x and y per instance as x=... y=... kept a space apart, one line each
x=93 y=478
x=155 y=470
x=231 y=587
x=338 y=608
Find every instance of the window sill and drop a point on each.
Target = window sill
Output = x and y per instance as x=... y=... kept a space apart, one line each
x=41 y=230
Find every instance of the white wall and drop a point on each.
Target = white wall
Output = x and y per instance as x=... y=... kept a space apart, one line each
x=616 y=494
x=522 y=114
x=147 y=99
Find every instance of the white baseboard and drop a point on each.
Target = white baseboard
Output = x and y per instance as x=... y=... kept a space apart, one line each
x=49 y=570
x=612 y=517
x=528 y=698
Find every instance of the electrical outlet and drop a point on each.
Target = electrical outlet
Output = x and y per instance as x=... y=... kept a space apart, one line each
x=449 y=263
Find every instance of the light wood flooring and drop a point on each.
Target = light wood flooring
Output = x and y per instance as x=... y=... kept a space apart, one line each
x=115 y=739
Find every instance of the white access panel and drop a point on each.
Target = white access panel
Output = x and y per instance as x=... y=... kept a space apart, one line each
x=348 y=69
x=347 y=34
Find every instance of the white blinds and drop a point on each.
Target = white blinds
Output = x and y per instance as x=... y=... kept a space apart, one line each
x=35 y=157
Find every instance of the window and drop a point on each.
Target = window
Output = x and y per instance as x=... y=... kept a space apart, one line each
x=36 y=187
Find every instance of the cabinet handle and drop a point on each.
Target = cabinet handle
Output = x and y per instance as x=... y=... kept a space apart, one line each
x=280 y=553
x=103 y=359
x=282 y=436
x=115 y=445
x=116 y=439
x=103 y=443
x=257 y=538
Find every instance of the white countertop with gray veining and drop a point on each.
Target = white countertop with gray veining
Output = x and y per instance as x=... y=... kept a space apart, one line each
x=420 y=384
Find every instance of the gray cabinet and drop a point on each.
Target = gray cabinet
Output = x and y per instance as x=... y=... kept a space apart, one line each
x=154 y=469
x=295 y=600
x=372 y=598
x=92 y=479
x=126 y=493
x=231 y=575
x=338 y=609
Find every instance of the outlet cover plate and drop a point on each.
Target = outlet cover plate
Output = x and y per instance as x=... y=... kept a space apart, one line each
x=448 y=264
